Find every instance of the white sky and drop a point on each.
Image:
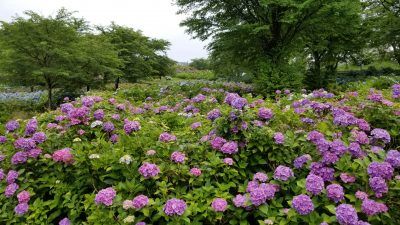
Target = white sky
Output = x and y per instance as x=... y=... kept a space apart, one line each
x=156 y=18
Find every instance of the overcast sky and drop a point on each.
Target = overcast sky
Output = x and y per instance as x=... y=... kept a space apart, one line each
x=156 y=18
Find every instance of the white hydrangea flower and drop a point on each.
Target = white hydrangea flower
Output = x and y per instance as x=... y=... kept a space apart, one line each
x=94 y=156
x=77 y=140
x=96 y=123
x=129 y=219
x=127 y=159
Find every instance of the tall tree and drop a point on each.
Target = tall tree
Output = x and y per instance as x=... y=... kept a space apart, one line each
x=250 y=33
x=41 y=49
x=141 y=56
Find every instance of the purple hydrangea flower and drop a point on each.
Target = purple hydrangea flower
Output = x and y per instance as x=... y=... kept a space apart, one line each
x=393 y=158
x=239 y=200
x=265 y=113
x=283 y=173
x=301 y=160
x=319 y=169
x=175 y=207
x=384 y=170
x=12 y=125
x=195 y=171
x=355 y=150
x=108 y=127
x=380 y=134
x=149 y=170
x=105 y=196
x=303 y=204
x=219 y=204
x=259 y=195
x=10 y=190
x=3 y=139
x=98 y=114
x=335 y=192
x=25 y=144
x=21 y=208
x=166 y=137
x=140 y=201
x=279 y=138
x=39 y=137
x=361 y=195
x=64 y=221
x=12 y=176
x=346 y=214
x=239 y=103
x=214 y=114
x=371 y=207
x=178 y=157
x=378 y=185
x=228 y=161
x=195 y=125
x=217 y=143
x=261 y=177
x=314 y=184
x=131 y=126
x=19 y=158
x=230 y=147
x=23 y=197
x=31 y=126
x=347 y=178
x=63 y=155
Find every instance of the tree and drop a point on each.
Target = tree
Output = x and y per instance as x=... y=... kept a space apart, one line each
x=254 y=35
x=200 y=64
x=333 y=39
x=384 y=18
x=41 y=50
x=141 y=56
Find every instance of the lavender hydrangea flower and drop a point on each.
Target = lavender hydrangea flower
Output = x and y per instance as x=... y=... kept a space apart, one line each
x=384 y=170
x=361 y=195
x=228 y=161
x=378 y=185
x=303 y=204
x=21 y=209
x=347 y=178
x=12 y=176
x=108 y=127
x=166 y=137
x=261 y=177
x=131 y=126
x=2 y=175
x=98 y=114
x=12 y=125
x=393 y=158
x=140 y=201
x=105 y=196
x=346 y=214
x=149 y=170
x=283 y=173
x=319 y=169
x=25 y=144
x=371 y=207
x=265 y=113
x=217 y=143
x=239 y=103
x=64 y=221
x=39 y=137
x=279 y=138
x=178 y=157
x=259 y=195
x=23 y=197
x=195 y=171
x=19 y=158
x=214 y=114
x=10 y=190
x=31 y=127
x=239 y=200
x=301 y=160
x=219 y=204
x=335 y=192
x=195 y=125
x=3 y=139
x=230 y=147
x=314 y=184
x=175 y=207
x=380 y=134
x=63 y=155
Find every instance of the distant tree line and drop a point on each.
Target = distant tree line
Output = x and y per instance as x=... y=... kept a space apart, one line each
x=66 y=52
x=293 y=43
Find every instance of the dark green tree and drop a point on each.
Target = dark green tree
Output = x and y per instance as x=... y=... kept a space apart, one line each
x=41 y=50
x=200 y=64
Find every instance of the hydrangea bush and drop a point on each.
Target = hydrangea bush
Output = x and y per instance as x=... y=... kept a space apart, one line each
x=205 y=153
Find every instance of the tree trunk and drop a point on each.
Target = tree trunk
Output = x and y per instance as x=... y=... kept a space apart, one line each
x=87 y=88
x=117 y=83
x=32 y=89
x=50 y=92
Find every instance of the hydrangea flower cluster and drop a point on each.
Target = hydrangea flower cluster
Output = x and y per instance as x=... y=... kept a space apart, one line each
x=149 y=170
x=303 y=204
x=105 y=196
x=283 y=173
x=219 y=204
x=166 y=137
x=140 y=201
x=63 y=155
x=178 y=157
x=175 y=207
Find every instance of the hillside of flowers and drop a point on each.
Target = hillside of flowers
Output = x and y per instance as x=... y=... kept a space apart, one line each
x=206 y=153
